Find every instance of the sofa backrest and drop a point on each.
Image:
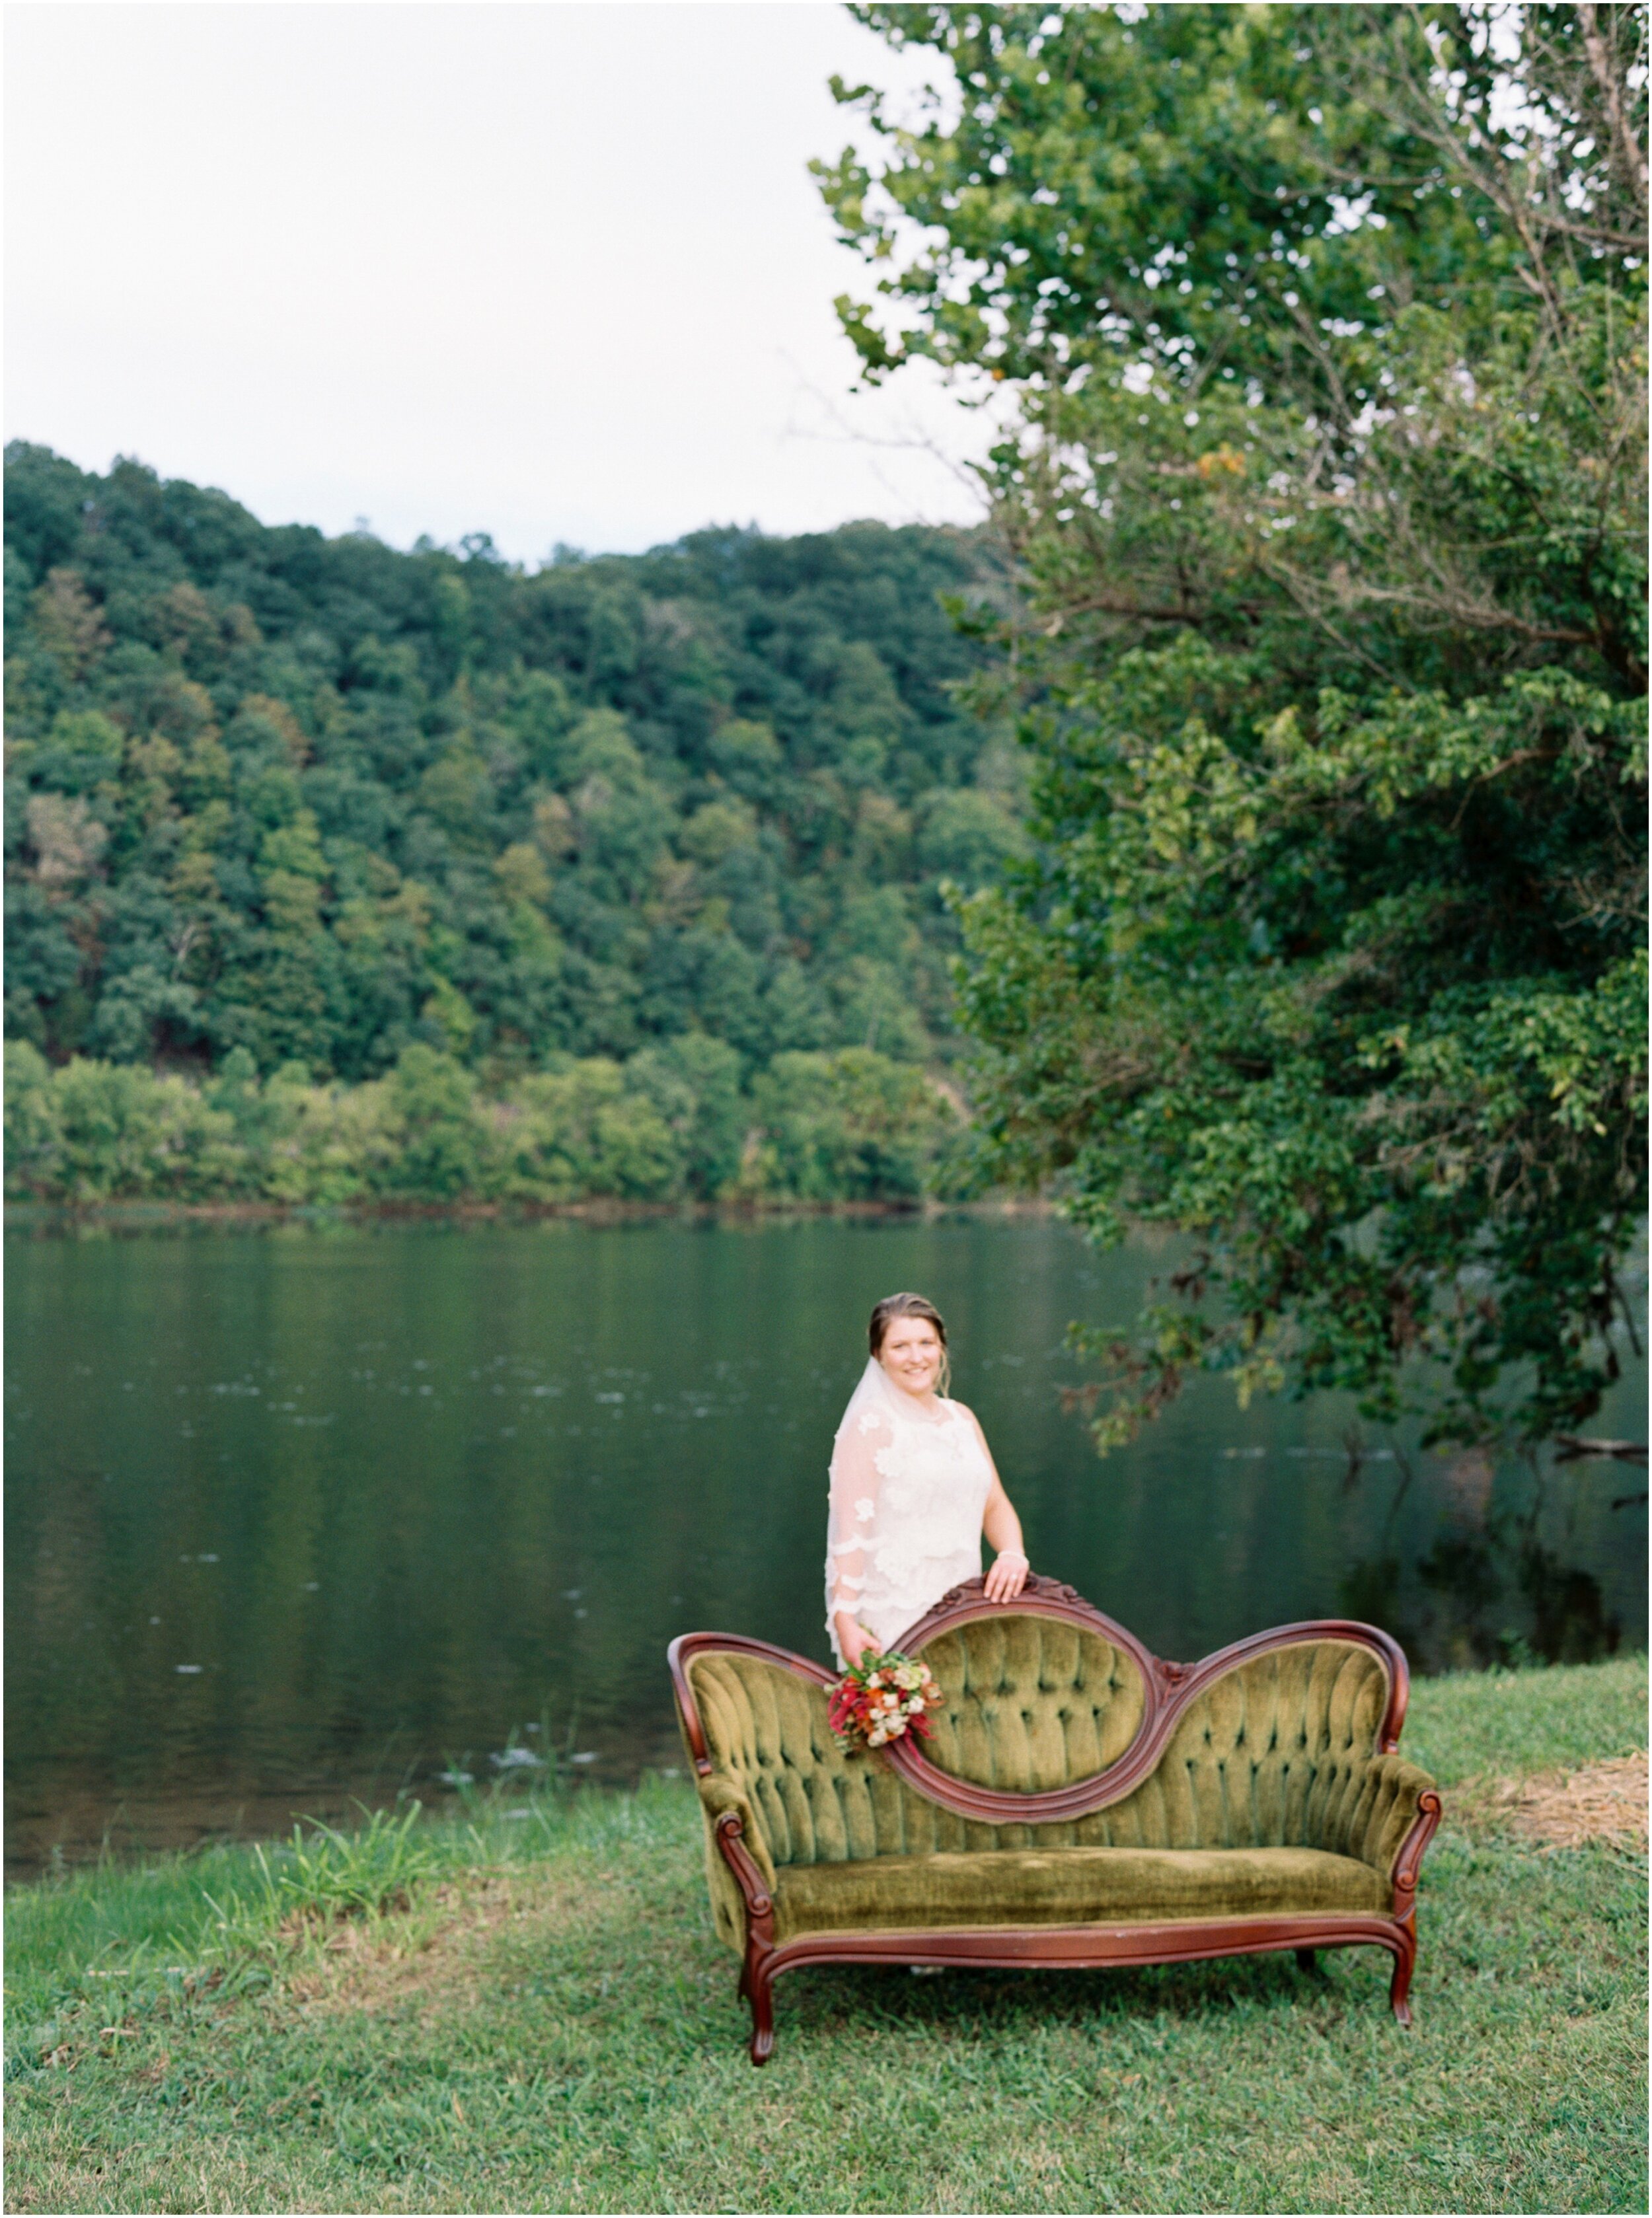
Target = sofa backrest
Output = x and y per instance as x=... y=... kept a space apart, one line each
x=1274 y=1751
x=1032 y=1703
x=765 y=1729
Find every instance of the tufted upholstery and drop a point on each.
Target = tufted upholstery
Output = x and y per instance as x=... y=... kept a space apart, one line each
x=1273 y=1755
x=768 y=1738
x=1032 y=1703
x=1278 y=1755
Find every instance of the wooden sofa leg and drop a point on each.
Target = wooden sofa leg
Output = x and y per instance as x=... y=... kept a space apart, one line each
x=1405 y=1959
x=758 y=1988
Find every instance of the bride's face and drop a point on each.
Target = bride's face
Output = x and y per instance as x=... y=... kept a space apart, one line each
x=912 y=1354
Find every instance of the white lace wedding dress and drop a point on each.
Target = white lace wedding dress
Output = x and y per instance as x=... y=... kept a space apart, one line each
x=908 y=1493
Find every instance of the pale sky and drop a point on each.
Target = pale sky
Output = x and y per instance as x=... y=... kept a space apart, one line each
x=555 y=270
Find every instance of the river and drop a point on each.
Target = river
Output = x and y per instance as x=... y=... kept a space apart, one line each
x=301 y=1513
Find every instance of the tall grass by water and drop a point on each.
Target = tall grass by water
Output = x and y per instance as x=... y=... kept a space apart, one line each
x=521 y=2006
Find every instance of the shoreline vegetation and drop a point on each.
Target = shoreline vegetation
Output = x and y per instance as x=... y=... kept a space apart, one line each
x=677 y=1124
x=591 y=1210
x=518 y=2003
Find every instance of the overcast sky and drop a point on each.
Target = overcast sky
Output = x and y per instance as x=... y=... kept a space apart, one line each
x=554 y=270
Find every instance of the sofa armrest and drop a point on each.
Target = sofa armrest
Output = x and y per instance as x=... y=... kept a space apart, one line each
x=739 y=1864
x=1397 y=1809
x=722 y=1798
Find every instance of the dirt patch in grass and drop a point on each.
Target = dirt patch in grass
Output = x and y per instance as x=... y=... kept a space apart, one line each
x=368 y=1964
x=438 y=1950
x=1564 y=1809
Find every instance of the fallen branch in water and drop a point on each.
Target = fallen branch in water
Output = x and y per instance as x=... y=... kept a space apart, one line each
x=1569 y=1448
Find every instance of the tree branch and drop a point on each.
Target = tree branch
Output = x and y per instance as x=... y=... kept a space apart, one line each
x=1601 y=69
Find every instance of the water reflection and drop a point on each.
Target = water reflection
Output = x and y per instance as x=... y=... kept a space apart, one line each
x=298 y=1513
x=1492 y=1589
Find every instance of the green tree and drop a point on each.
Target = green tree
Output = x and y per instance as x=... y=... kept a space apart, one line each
x=694 y=1083
x=582 y=1131
x=852 y=1126
x=1325 y=329
x=439 y=1147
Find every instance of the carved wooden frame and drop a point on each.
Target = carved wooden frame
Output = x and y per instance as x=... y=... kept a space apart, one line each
x=1167 y=1690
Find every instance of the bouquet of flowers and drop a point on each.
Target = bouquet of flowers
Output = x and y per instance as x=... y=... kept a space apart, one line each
x=881 y=1698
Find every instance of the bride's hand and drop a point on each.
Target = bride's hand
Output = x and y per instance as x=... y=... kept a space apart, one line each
x=854 y=1640
x=1007 y=1575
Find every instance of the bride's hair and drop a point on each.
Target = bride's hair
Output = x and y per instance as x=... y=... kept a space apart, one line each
x=883 y=1315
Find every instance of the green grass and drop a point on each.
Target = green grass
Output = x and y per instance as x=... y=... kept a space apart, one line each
x=1476 y=1724
x=545 y=2023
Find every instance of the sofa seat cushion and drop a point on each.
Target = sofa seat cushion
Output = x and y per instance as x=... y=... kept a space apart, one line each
x=1068 y=1887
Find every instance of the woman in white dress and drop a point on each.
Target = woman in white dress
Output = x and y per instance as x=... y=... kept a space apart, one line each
x=914 y=1487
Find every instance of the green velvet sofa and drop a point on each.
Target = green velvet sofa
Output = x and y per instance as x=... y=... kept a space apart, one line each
x=1081 y=1802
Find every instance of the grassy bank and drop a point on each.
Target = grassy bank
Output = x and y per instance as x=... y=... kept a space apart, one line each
x=540 y=2019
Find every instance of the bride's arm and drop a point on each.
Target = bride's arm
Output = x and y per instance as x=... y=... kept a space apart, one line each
x=1003 y=1529
x=856 y=1484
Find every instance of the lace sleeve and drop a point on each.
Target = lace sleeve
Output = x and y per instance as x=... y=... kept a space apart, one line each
x=853 y=1516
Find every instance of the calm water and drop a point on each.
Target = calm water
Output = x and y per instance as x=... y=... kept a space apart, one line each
x=295 y=1514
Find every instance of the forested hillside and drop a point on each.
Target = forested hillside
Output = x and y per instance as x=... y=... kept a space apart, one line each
x=281 y=809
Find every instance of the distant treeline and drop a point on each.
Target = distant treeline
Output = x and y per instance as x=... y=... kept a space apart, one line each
x=321 y=801
x=674 y=1122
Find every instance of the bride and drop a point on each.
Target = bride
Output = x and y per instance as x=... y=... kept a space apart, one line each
x=914 y=1487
